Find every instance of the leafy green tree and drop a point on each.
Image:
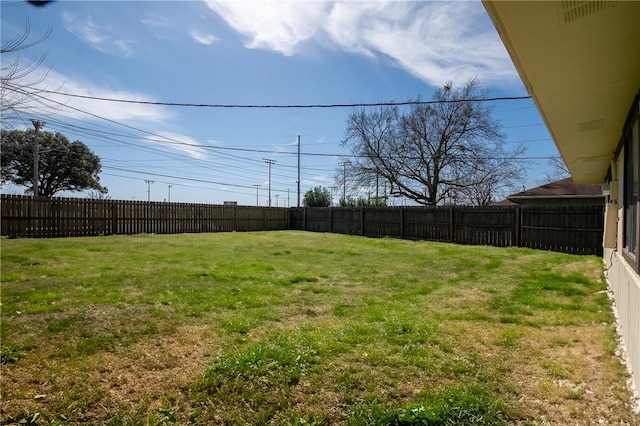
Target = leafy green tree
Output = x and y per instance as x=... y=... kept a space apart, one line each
x=363 y=202
x=317 y=197
x=62 y=165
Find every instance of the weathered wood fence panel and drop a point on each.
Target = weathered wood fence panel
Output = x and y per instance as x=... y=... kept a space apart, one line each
x=483 y=226
x=572 y=229
x=569 y=229
x=382 y=222
x=24 y=216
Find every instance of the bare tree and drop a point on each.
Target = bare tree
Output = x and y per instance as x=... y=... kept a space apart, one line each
x=367 y=134
x=448 y=150
x=17 y=82
x=557 y=170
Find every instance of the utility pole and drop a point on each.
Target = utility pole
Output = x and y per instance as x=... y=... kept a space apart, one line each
x=257 y=202
x=149 y=182
x=344 y=180
x=169 y=186
x=269 y=162
x=36 y=159
x=377 y=174
x=298 y=171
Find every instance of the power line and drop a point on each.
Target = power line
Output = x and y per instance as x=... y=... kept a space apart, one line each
x=281 y=106
x=181 y=178
x=178 y=177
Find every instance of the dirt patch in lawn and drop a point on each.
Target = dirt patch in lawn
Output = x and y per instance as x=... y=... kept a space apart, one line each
x=563 y=377
x=145 y=377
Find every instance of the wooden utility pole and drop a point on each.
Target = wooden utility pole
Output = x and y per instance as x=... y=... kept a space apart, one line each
x=344 y=181
x=36 y=159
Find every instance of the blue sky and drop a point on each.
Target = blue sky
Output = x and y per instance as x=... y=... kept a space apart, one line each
x=250 y=53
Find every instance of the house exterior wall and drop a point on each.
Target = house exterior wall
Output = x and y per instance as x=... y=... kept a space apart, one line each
x=624 y=284
x=622 y=269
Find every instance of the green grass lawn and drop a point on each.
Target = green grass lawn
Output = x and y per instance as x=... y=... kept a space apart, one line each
x=294 y=328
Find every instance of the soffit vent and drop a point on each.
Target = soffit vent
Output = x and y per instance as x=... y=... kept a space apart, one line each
x=585 y=126
x=573 y=10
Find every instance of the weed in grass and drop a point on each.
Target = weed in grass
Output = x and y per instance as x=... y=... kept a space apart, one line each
x=59 y=325
x=249 y=374
x=510 y=319
x=238 y=326
x=281 y=253
x=9 y=278
x=10 y=354
x=20 y=260
x=554 y=369
x=300 y=279
x=342 y=310
x=468 y=405
x=93 y=343
x=359 y=334
x=509 y=337
x=302 y=422
x=316 y=289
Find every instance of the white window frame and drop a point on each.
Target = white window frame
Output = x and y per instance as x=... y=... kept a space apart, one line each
x=630 y=145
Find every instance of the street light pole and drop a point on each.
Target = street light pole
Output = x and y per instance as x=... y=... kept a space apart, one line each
x=269 y=162
x=298 y=182
x=257 y=187
x=149 y=182
x=169 y=198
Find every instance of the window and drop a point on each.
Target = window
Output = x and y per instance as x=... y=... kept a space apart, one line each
x=631 y=172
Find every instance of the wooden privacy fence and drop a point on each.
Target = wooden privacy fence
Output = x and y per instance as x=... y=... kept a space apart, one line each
x=568 y=229
x=24 y=216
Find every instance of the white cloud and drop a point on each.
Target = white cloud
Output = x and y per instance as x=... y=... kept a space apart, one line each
x=182 y=143
x=157 y=21
x=318 y=180
x=99 y=36
x=91 y=109
x=435 y=41
x=202 y=38
x=278 y=26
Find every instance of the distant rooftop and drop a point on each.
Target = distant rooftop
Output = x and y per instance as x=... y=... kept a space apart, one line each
x=563 y=191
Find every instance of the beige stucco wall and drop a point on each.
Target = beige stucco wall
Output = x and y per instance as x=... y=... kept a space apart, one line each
x=624 y=284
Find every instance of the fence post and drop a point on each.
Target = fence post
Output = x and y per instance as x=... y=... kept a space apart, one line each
x=330 y=220
x=451 y=239
x=264 y=219
x=401 y=222
x=518 y=226
x=287 y=219
x=361 y=221
x=304 y=219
